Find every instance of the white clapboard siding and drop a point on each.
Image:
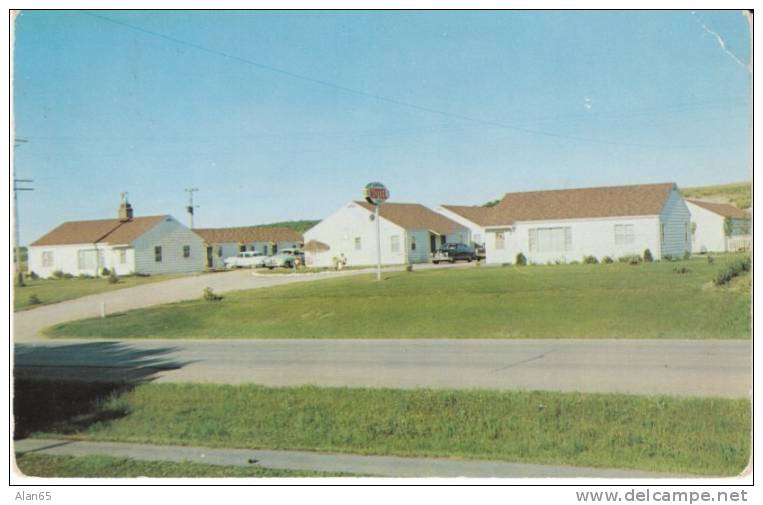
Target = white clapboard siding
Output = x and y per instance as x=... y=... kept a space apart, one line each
x=676 y=220
x=171 y=236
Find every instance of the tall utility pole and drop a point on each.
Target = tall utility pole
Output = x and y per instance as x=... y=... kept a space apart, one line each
x=190 y=206
x=18 y=185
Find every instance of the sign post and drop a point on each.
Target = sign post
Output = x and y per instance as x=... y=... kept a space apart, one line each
x=376 y=194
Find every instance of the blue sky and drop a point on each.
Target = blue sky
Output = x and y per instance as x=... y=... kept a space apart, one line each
x=287 y=115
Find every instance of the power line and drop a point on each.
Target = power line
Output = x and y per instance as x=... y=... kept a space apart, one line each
x=366 y=94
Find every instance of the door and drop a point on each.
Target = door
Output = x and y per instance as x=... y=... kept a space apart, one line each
x=432 y=243
x=209 y=256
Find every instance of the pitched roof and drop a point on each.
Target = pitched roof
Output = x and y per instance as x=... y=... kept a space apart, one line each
x=610 y=201
x=247 y=234
x=109 y=231
x=414 y=216
x=474 y=213
x=722 y=209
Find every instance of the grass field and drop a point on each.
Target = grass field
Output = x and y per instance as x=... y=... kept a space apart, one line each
x=738 y=193
x=43 y=465
x=690 y=435
x=614 y=300
x=58 y=290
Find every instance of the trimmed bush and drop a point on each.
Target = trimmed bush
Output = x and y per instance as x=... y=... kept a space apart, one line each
x=710 y=260
x=409 y=268
x=590 y=260
x=607 y=259
x=681 y=270
x=648 y=256
x=33 y=276
x=505 y=264
x=105 y=272
x=520 y=260
x=631 y=259
x=687 y=255
x=211 y=296
x=734 y=269
x=58 y=274
x=34 y=300
x=113 y=279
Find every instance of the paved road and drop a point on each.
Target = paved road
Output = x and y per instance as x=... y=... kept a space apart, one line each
x=29 y=323
x=380 y=466
x=673 y=367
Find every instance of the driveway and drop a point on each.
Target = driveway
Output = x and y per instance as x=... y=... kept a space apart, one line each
x=29 y=323
x=650 y=367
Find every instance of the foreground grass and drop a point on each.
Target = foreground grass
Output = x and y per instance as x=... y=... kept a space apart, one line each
x=738 y=193
x=50 y=291
x=689 y=435
x=44 y=465
x=614 y=300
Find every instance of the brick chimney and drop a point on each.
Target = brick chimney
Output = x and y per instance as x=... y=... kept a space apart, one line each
x=125 y=209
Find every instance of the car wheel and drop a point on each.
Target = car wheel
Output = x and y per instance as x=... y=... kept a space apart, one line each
x=436 y=262
x=468 y=260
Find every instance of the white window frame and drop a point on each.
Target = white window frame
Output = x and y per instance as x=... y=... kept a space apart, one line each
x=537 y=239
x=625 y=234
x=500 y=240
x=48 y=259
x=394 y=243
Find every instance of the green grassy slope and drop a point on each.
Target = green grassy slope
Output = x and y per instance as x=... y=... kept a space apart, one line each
x=561 y=301
x=738 y=193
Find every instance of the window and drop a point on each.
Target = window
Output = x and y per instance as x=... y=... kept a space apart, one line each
x=413 y=243
x=87 y=259
x=500 y=240
x=186 y=251
x=357 y=244
x=219 y=251
x=242 y=248
x=662 y=232
x=158 y=254
x=47 y=259
x=122 y=256
x=394 y=243
x=624 y=234
x=550 y=239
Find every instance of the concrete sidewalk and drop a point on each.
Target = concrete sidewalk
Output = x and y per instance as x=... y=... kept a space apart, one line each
x=377 y=466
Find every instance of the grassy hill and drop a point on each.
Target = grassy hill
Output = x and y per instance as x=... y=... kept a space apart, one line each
x=298 y=226
x=738 y=193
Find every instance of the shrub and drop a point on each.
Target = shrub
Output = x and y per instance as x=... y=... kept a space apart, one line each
x=34 y=300
x=105 y=272
x=648 y=256
x=68 y=276
x=607 y=259
x=58 y=274
x=681 y=270
x=668 y=257
x=113 y=279
x=631 y=259
x=19 y=280
x=710 y=260
x=84 y=276
x=33 y=276
x=687 y=255
x=732 y=270
x=521 y=260
x=409 y=268
x=505 y=264
x=590 y=260
x=211 y=296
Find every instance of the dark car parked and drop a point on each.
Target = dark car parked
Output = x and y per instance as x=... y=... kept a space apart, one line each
x=453 y=253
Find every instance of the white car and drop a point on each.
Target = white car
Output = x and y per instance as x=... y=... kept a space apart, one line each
x=248 y=259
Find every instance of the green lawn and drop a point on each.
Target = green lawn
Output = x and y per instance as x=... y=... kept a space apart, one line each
x=614 y=300
x=44 y=465
x=690 y=435
x=58 y=290
x=738 y=193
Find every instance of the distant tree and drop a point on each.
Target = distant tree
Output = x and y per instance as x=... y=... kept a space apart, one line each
x=492 y=203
